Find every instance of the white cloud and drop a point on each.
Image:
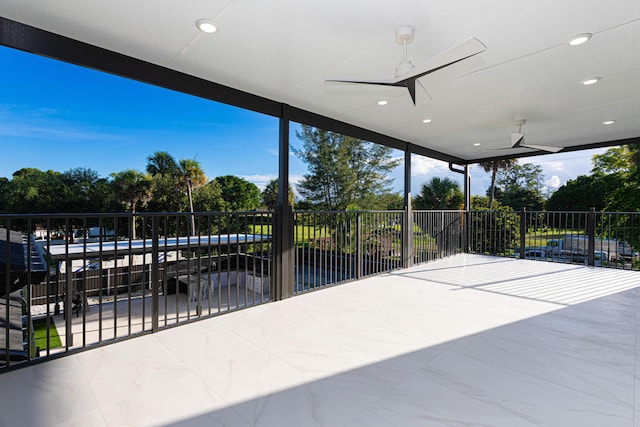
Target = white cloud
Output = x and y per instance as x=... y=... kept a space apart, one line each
x=421 y=166
x=556 y=165
x=260 y=180
x=553 y=182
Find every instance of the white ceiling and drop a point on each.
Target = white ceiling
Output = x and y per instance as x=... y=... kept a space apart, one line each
x=285 y=49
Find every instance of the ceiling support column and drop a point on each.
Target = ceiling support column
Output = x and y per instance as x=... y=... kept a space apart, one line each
x=283 y=248
x=467 y=204
x=407 y=232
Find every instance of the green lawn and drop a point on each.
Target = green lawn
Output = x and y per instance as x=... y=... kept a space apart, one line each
x=540 y=238
x=301 y=233
x=40 y=334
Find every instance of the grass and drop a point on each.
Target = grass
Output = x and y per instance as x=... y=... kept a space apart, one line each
x=540 y=237
x=40 y=334
x=301 y=233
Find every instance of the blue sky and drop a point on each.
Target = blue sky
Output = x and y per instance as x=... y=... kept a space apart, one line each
x=59 y=116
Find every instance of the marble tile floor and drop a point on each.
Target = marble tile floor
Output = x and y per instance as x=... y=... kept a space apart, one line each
x=464 y=341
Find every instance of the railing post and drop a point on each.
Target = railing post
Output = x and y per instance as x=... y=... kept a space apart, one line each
x=407 y=232
x=407 y=237
x=283 y=252
x=155 y=285
x=591 y=232
x=464 y=217
x=523 y=232
x=358 y=247
x=440 y=239
x=68 y=304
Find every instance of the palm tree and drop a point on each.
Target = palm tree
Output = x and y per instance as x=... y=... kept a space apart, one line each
x=270 y=195
x=130 y=188
x=191 y=177
x=494 y=166
x=162 y=163
x=439 y=193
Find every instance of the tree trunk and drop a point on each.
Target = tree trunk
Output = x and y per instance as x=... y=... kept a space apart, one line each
x=193 y=218
x=133 y=221
x=493 y=187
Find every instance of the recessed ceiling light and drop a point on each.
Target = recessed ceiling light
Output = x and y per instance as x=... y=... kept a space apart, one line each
x=477 y=144
x=426 y=120
x=608 y=122
x=206 y=26
x=383 y=102
x=591 y=81
x=579 y=39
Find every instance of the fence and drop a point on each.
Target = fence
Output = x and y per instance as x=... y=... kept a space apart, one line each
x=112 y=276
x=437 y=234
x=107 y=277
x=601 y=239
x=333 y=247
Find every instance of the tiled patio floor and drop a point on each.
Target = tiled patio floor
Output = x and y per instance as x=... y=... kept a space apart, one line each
x=468 y=340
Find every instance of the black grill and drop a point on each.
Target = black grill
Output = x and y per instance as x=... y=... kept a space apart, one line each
x=19 y=255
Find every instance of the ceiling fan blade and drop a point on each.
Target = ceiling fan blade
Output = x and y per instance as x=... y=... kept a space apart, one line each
x=517 y=139
x=362 y=82
x=409 y=84
x=425 y=90
x=460 y=52
x=543 y=148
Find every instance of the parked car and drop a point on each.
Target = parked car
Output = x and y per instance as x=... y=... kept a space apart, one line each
x=537 y=254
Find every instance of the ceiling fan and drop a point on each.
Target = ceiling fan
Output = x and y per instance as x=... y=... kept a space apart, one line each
x=517 y=140
x=407 y=74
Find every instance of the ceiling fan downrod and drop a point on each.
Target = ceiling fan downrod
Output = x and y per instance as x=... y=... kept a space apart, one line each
x=404 y=36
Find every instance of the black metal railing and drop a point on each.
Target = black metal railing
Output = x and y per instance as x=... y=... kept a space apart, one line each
x=437 y=234
x=113 y=276
x=601 y=239
x=337 y=246
x=74 y=281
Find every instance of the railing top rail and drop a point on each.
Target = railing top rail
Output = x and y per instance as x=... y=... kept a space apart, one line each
x=440 y=210
x=558 y=212
x=123 y=214
x=358 y=211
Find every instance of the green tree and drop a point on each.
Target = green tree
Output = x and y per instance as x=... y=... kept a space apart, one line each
x=168 y=193
x=495 y=231
x=162 y=163
x=342 y=170
x=439 y=193
x=584 y=192
x=85 y=191
x=238 y=194
x=208 y=198
x=191 y=176
x=270 y=195
x=388 y=201
x=522 y=186
x=36 y=191
x=519 y=198
x=5 y=193
x=131 y=188
x=482 y=202
x=494 y=166
x=528 y=176
x=622 y=163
